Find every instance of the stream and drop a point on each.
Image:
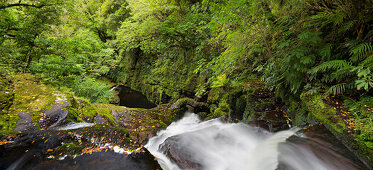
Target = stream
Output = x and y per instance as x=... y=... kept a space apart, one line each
x=214 y=145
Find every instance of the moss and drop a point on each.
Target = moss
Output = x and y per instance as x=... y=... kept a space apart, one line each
x=104 y=110
x=324 y=113
x=298 y=113
x=7 y=123
x=161 y=80
x=6 y=100
x=223 y=109
x=29 y=95
x=32 y=96
x=80 y=109
x=163 y=125
x=69 y=149
x=73 y=116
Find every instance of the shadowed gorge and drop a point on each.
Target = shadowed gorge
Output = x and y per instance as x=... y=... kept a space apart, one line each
x=132 y=98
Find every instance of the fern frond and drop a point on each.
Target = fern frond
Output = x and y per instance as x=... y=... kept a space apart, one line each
x=329 y=65
x=326 y=51
x=339 y=88
x=343 y=73
x=361 y=51
x=368 y=61
x=347 y=26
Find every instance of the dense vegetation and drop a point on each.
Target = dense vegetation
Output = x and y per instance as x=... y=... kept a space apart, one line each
x=170 y=49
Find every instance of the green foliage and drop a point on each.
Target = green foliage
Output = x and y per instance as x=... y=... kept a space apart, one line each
x=92 y=89
x=170 y=49
x=362 y=114
x=58 y=71
x=221 y=81
x=66 y=72
x=220 y=111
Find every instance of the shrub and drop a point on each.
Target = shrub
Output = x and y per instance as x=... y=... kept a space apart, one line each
x=92 y=89
x=57 y=71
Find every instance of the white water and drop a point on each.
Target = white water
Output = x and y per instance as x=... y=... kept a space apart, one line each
x=226 y=146
x=75 y=126
x=114 y=88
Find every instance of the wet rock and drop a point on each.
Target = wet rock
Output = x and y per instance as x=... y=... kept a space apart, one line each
x=31 y=151
x=271 y=121
x=24 y=123
x=55 y=115
x=325 y=146
x=179 y=155
x=190 y=105
x=100 y=120
x=102 y=160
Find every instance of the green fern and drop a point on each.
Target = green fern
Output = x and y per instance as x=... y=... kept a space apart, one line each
x=329 y=65
x=347 y=26
x=361 y=51
x=339 y=88
x=368 y=61
x=343 y=73
x=326 y=52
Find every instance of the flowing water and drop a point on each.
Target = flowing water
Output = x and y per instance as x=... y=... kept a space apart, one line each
x=75 y=126
x=214 y=145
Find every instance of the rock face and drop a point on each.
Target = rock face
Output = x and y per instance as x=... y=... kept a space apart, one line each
x=133 y=99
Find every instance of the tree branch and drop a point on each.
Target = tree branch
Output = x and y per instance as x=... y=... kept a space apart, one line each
x=27 y=5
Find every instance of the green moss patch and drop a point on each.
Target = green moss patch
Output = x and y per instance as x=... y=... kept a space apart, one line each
x=324 y=113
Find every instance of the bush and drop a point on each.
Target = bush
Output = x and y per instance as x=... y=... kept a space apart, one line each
x=60 y=72
x=57 y=71
x=92 y=89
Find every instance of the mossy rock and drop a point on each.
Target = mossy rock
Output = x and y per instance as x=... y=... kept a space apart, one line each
x=324 y=113
x=6 y=95
x=69 y=149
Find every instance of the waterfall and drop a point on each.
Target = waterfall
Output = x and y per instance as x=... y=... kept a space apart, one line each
x=214 y=145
